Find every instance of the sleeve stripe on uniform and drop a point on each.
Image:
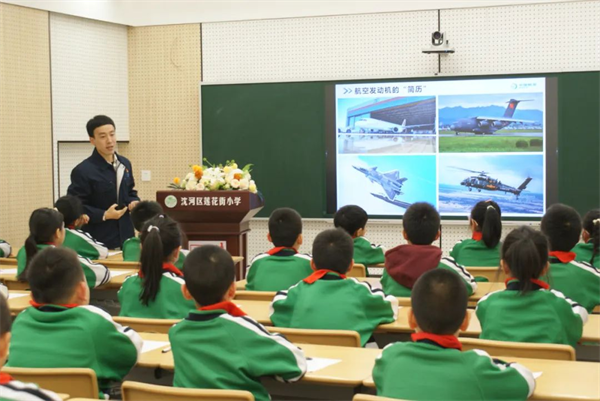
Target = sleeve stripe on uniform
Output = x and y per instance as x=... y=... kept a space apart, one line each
x=577 y=308
x=99 y=246
x=461 y=271
x=100 y=271
x=378 y=292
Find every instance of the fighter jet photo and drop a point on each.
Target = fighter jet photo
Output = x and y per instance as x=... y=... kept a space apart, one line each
x=488 y=125
x=389 y=181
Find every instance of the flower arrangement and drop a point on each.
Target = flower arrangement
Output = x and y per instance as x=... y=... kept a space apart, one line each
x=210 y=177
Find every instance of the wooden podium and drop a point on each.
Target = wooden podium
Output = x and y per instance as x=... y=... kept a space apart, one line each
x=219 y=216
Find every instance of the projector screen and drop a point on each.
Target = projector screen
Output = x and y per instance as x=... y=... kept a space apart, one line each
x=451 y=143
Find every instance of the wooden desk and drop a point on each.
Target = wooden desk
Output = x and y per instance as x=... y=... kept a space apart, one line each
x=18 y=301
x=560 y=380
x=118 y=257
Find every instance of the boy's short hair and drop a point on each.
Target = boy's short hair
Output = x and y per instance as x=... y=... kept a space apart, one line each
x=439 y=301
x=208 y=272
x=5 y=318
x=53 y=275
x=285 y=225
x=351 y=218
x=562 y=225
x=421 y=222
x=98 y=121
x=143 y=212
x=70 y=207
x=333 y=250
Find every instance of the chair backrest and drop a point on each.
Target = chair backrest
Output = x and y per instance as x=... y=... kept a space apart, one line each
x=77 y=382
x=358 y=270
x=493 y=274
x=369 y=397
x=147 y=325
x=255 y=295
x=342 y=338
x=559 y=352
x=134 y=391
x=120 y=264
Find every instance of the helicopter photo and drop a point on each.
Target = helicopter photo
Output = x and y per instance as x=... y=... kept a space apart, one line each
x=483 y=181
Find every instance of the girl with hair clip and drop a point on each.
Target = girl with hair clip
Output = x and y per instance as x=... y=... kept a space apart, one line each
x=587 y=251
x=528 y=310
x=47 y=228
x=155 y=291
x=483 y=249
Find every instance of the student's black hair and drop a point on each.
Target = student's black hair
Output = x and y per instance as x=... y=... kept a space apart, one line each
x=43 y=224
x=98 y=121
x=333 y=250
x=285 y=225
x=53 y=274
x=439 y=302
x=525 y=251
x=562 y=225
x=421 y=222
x=70 y=207
x=144 y=211
x=591 y=224
x=159 y=238
x=208 y=272
x=351 y=218
x=487 y=216
x=5 y=318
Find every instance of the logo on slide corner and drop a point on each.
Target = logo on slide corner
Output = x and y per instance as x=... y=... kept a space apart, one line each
x=170 y=201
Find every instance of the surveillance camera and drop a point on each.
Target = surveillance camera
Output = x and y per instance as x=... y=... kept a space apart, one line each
x=437 y=38
x=439 y=44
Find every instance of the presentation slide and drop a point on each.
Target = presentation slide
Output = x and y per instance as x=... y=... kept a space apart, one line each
x=450 y=143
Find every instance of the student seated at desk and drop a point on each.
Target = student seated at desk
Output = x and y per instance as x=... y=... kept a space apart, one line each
x=11 y=389
x=528 y=311
x=432 y=367
x=217 y=346
x=81 y=242
x=587 y=251
x=155 y=291
x=143 y=212
x=46 y=229
x=483 y=249
x=579 y=281
x=62 y=330
x=282 y=266
x=404 y=264
x=5 y=249
x=353 y=219
x=327 y=299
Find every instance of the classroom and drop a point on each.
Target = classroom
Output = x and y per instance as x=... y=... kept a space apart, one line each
x=239 y=123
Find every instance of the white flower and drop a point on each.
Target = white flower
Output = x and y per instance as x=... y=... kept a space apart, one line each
x=244 y=184
x=189 y=176
x=234 y=165
x=231 y=175
x=252 y=187
x=214 y=184
x=235 y=184
x=226 y=186
x=200 y=186
x=205 y=181
x=227 y=169
x=191 y=184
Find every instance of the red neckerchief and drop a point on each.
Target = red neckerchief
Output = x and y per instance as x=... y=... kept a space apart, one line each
x=71 y=227
x=319 y=274
x=564 y=257
x=533 y=280
x=227 y=306
x=279 y=249
x=477 y=236
x=167 y=267
x=38 y=305
x=5 y=378
x=48 y=243
x=446 y=340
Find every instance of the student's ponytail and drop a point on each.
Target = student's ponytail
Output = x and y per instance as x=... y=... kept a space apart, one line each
x=525 y=251
x=591 y=224
x=160 y=237
x=43 y=224
x=487 y=215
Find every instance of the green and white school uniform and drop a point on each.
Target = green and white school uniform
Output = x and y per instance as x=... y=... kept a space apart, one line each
x=584 y=252
x=329 y=300
x=219 y=347
x=434 y=367
x=5 y=249
x=474 y=252
x=83 y=243
x=96 y=274
x=14 y=390
x=541 y=315
x=579 y=281
x=278 y=269
x=132 y=250
x=168 y=304
x=72 y=336
x=366 y=253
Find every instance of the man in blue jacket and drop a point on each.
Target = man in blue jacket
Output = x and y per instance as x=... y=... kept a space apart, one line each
x=104 y=183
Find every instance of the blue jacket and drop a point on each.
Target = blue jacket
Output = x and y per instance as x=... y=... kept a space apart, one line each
x=94 y=182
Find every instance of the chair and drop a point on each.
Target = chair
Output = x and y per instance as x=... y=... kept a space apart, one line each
x=240 y=285
x=77 y=382
x=493 y=274
x=342 y=338
x=368 y=397
x=147 y=325
x=520 y=350
x=357 y=270
x=255 y=295
x=134 y=391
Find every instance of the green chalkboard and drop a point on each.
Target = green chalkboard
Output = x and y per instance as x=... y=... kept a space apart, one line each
x=281 y=129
